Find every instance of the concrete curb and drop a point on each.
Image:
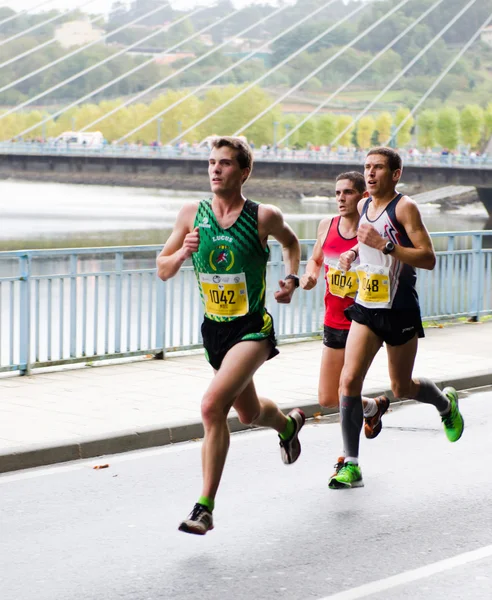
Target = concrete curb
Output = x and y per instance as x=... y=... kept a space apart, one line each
x=162 y=435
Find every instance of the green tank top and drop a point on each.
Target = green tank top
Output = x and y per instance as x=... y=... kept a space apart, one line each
x=230 y=264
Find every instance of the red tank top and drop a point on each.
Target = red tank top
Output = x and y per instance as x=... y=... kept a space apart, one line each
x=333 y=246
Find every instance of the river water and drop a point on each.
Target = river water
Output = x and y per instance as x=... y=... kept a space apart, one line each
x=54 y=215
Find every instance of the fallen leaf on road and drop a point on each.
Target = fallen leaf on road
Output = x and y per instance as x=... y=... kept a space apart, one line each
x=101 y=467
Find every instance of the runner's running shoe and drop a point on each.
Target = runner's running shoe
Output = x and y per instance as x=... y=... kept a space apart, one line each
x=290 y=449
x=199 y=521
x=453 y=422
x=349 y=476
x=373 y=425
x=338 y=465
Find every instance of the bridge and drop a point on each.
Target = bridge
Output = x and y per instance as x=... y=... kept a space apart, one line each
x=117 y=165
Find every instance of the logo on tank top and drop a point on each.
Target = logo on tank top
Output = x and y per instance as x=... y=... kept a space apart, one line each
x=205 y=223
x=221 y=258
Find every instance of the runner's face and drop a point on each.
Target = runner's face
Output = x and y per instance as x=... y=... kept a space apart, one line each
x=224 y=171
x=380 y=179
x=347 y=197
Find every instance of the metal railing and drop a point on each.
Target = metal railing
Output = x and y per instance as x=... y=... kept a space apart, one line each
x=82 y=305
x=322 y=155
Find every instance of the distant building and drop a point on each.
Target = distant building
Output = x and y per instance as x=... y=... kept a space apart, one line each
x=167 y=59
x=77 y=33
x=486 y=35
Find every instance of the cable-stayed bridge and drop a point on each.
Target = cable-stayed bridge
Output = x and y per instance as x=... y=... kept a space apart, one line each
x=116 y=157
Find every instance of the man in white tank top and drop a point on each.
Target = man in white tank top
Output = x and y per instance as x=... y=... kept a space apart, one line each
x=392 y=243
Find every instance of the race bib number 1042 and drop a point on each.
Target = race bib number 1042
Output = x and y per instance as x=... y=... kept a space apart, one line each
x=225 y=295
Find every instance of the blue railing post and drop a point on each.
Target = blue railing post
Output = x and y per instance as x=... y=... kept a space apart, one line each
x=477 y=276
x=160 y=316
x=73 y=305
x=25 y=315
x=118 y=293
x=276 y=275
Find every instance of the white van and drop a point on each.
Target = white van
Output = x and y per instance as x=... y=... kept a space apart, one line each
x=81 y=140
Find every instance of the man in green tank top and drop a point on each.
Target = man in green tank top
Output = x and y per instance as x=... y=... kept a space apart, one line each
x=226 y=238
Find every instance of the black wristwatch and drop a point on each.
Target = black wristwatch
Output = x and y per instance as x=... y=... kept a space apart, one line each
x=294 y=278
x=388 y=248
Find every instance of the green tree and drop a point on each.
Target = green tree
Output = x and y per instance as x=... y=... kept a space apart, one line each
x=472 y=124
x=448 y=127
x=488 y=120
x=404 y=136
x=426 y=128
x=365 y=129
x=384 y=121
x=343 y=122
x=308 y=133
x=327 y=128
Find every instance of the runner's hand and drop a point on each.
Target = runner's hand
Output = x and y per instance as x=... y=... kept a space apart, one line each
x=308 y=281
x=369 y=236
x=191 y=243
x=284 y=294
x=346 y=259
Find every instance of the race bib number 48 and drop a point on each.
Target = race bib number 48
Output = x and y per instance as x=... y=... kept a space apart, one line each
x=342 y=284
x=225 y=295
x=374 y=284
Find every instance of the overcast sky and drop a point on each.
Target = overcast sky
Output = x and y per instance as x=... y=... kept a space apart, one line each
x=104 y=5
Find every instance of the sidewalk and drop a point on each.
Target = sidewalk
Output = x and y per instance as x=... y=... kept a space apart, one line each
x=81 y=413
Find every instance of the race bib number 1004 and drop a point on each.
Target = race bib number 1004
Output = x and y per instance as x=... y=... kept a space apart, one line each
x=342 y=284
x=225 y=295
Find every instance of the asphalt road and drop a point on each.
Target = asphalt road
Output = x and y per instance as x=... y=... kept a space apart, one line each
x=421 y=528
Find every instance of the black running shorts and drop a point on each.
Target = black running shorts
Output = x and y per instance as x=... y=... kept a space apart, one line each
x=335 y=338
x=220 y=337
x=394 y=327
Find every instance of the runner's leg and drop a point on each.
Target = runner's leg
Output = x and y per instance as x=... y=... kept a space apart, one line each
x=234 y=375
x=362 y=346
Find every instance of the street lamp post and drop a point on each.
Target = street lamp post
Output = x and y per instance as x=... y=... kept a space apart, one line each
x=287 y=129
x=159 y=121
x=73 y=123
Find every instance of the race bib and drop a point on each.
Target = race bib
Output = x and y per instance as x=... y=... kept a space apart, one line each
x=343 y=285
x=374 y=284
x=225 y=295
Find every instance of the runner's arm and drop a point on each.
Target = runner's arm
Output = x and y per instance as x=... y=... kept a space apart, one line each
x=315 y=262
x=181 y=244
x=422 y=255
x=271 y=222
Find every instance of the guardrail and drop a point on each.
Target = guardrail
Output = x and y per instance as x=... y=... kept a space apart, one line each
x=202 y=153
x=88 y=304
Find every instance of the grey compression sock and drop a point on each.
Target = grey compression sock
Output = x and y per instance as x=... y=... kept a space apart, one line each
x=351 y=418
x=429 y=393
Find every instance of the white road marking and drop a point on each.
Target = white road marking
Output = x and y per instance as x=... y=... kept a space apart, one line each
x=375 y=587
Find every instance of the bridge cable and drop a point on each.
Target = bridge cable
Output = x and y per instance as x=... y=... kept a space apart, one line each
x=182 y=69
x=101 y=62
x=270 y=71
x=43 y=44
x=322 y=66
x=82 y=48
x=23 y=12
x=38 y=25
x=360 y=71
x=403 y=71
x=231 y=67
x=130 y=72
x=441 y=76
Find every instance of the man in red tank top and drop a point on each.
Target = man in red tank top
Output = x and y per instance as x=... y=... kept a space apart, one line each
x=335 y=236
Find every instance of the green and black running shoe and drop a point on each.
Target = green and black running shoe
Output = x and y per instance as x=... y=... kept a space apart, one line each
x=453 y=421
x=349 y=476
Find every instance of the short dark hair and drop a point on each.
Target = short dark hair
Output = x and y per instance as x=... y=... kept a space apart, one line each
x=356 y=178
x=394 y=159
x=244 y=153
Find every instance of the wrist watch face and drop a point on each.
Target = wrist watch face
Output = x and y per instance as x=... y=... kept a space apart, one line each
x=389 y=247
